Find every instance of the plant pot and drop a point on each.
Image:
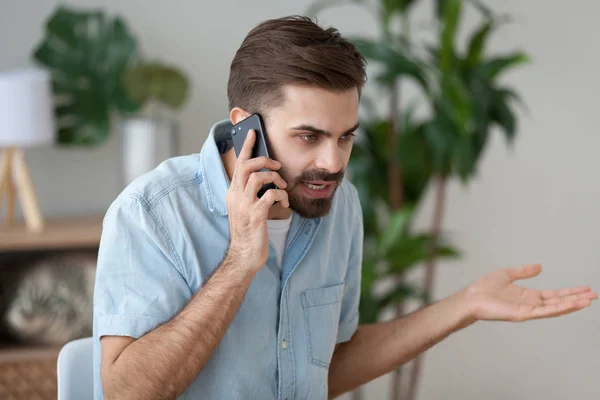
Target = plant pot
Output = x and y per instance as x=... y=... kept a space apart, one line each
x=146 y=142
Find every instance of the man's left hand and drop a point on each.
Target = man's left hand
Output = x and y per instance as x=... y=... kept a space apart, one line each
x=495 y=297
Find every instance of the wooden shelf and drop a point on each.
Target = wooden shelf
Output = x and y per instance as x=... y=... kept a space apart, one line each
x=61 y=233
x=20 y=353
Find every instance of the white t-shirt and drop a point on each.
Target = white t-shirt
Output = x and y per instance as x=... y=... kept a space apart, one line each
x=278 y=231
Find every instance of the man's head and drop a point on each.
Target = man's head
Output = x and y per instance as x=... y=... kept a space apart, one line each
x=306 y=82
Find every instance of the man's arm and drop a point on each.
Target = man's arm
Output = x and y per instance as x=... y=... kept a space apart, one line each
x=164 y=362
x=382 y=347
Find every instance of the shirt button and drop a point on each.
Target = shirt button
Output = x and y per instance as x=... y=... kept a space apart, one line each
x=284 y=344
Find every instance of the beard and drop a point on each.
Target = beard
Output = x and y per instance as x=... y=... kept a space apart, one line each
x=305 y=206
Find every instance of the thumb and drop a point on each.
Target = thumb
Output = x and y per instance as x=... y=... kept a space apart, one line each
x=524 y=272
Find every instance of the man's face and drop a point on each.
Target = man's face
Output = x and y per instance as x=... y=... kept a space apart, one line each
x=311 y=135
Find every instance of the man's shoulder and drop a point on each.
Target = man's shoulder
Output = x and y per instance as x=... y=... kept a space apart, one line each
x=177 y=176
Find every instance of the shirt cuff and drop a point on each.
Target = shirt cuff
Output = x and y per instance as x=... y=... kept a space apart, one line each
x=135 y=326
x=347 y=330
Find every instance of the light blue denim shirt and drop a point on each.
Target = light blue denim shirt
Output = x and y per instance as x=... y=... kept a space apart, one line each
x=166 y=233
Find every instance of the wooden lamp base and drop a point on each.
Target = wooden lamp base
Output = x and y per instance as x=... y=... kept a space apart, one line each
x=15 y=180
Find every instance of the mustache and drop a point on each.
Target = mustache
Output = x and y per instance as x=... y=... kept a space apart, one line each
x=321 y=175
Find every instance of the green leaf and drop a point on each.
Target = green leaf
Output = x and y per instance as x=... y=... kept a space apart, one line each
x=448 y=253
x=377 y=140
x=87 y=54
x=503 y=115
x=438 y=143
x=509 y=94
x=464 y=157
x=396 y=63
x=416 y=162
x=439 y=8
x=52 y=57
x=477 y=43
x=366 y=192
x=456 y=101
x=397 y=6
x=395 y=228
x=369 y=309
x=364 y=159
x=492 y=68
x=89 y=130
x=415 y=249
x=450 y=21
x=59 y=23
x=165 y=84
x=400 y=294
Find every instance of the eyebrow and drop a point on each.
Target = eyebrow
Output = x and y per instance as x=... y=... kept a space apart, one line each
x=315 y=130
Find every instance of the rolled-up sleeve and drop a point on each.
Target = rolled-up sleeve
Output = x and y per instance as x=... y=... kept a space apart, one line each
x=139 y=280
x=349 y=317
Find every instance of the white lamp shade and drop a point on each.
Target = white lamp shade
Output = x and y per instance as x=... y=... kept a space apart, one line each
x=26 y=109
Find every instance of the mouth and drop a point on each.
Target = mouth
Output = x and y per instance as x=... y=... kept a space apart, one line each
x=318 y=189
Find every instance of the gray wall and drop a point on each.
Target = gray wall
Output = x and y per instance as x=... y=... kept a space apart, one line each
x=537 y=203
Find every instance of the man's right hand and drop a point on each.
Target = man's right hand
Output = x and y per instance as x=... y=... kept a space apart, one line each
x=248 y=214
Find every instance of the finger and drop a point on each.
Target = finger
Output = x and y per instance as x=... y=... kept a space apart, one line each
x=246 y=151
x=548 y=294
x=555 y=310
x=245 y=169
x=272 y=196
x=524 y=272
x=237 y=180
x=571 y=298
x=257 y=179
x=258 y=163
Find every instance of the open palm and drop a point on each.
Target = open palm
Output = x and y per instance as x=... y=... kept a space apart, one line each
x=496 y=297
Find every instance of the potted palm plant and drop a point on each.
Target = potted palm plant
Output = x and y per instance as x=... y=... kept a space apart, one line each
x=401 y=156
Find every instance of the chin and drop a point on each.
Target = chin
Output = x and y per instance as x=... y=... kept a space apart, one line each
x=311 y=208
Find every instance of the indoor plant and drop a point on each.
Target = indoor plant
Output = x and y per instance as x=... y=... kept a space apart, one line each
x=401 y=155
x=99 y=76
x=151 y=136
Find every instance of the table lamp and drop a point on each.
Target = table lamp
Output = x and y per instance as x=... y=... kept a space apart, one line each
x=26 y=120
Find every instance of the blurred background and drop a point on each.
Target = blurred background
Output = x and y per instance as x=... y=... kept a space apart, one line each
x=464 y=178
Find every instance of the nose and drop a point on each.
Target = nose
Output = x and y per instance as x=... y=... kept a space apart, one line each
x=330 y=159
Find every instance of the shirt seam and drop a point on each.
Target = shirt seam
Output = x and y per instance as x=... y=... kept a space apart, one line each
x=149 y=208
x=151 y=203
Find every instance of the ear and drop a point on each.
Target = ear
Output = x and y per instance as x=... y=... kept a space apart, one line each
x=238 y=114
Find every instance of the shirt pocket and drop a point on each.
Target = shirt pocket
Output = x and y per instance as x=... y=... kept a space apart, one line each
x=322 y=307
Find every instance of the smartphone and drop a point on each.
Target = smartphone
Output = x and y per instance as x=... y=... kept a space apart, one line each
x=261 y=148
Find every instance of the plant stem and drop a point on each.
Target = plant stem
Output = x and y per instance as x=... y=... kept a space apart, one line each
x=394 y=171
x=396 y=197
x=436 y=226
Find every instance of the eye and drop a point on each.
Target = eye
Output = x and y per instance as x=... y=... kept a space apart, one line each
x=309 y=138
x=347 y=137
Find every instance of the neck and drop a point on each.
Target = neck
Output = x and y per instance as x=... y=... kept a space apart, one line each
x=276 y=211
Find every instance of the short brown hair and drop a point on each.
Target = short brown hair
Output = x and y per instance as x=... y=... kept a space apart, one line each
x=291 y=50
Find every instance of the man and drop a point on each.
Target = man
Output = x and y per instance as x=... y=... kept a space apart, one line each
x=205 y=291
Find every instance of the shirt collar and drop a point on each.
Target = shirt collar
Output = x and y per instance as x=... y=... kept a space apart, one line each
x=213 y=171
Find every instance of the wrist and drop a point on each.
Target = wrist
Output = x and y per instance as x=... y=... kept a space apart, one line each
x=465 y=305
x=240 y=258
